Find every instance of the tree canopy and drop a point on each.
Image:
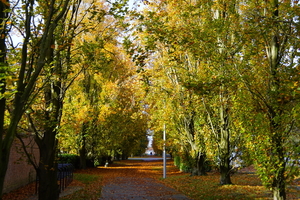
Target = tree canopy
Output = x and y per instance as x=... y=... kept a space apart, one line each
x=91 y=77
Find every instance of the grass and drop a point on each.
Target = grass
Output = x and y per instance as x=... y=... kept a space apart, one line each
x=86 y=178
x=246 y=186
x=208 y=187
x=91 y=187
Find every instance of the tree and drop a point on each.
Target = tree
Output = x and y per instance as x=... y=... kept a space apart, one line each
x=206 y=35
x=29 y=70
x=178 y=109
x=223 y=35
x=270 y=74
x=110 y=97
x=189 y=127
x=44 y=112
x=4 y=146
x=116 y=113
x=57 y=78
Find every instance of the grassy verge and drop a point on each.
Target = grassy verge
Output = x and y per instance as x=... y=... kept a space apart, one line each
x=86 y=178
x=246 y=186
x=208 y=188
x=91 y=187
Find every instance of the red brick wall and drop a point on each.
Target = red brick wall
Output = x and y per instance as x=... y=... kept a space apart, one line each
x=20 y=172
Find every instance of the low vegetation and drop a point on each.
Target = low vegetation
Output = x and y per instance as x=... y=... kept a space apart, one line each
x=88 y=183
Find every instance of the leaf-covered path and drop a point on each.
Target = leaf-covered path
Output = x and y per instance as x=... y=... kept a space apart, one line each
x=137 y=179
x=134 y=181
x=138 y=188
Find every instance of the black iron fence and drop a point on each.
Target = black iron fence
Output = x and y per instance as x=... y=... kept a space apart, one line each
x=64 y=176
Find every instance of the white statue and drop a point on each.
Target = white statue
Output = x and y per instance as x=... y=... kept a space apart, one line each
x=150 y=141
x=149 y=150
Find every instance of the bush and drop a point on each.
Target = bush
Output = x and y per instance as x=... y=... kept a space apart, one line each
x=69 y=158
x=185 y=168
x=182 y=164
x=177 y=161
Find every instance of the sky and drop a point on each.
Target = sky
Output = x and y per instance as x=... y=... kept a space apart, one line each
x=138 y=4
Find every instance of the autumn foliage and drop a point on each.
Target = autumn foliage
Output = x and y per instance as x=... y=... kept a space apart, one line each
x=220 y=78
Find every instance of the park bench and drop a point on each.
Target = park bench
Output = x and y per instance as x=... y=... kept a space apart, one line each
x=64 y=176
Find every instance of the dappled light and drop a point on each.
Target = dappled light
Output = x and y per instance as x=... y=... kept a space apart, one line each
x=111 y=86
x=246 y=183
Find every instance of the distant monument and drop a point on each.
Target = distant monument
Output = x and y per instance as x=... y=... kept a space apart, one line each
x=149 y=149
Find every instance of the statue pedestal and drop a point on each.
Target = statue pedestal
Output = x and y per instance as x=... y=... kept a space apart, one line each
x=150 y=151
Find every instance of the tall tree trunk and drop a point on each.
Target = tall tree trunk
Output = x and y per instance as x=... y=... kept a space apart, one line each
x=26 y=79
x=47 y=169
x=4 y=149
x=225 y=161
x=225 y=173
x=273 y=53
x=4 y=158
x=200 y=169
x=279 y=179
x=224 y=143
x=221 y=132
x=82 y=152
x=3 y=65
x=47 y=142
x=279 y=191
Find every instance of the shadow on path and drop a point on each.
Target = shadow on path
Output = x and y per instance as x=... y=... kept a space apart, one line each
x=138 y=188
x=134 y=180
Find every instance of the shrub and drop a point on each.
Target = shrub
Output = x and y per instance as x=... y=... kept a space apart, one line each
x=182 y=164
x=177 y=161
x=69 y=158
x=185 y=168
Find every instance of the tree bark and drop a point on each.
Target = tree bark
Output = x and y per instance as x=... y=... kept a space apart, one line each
x=82 y=153
x=275 y=110
x=279 y=192
x=225 y=166
x=3 y=65
x=48 y=188
x=47 y=143
x=201 y=164
x=4 y=147
x=47 y=169
x=4 y=158
x=199 y=169
x=225 y=175
x=224 y=143
x=26 y=83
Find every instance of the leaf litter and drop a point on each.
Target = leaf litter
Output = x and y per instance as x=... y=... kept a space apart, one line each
x=246 y=184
